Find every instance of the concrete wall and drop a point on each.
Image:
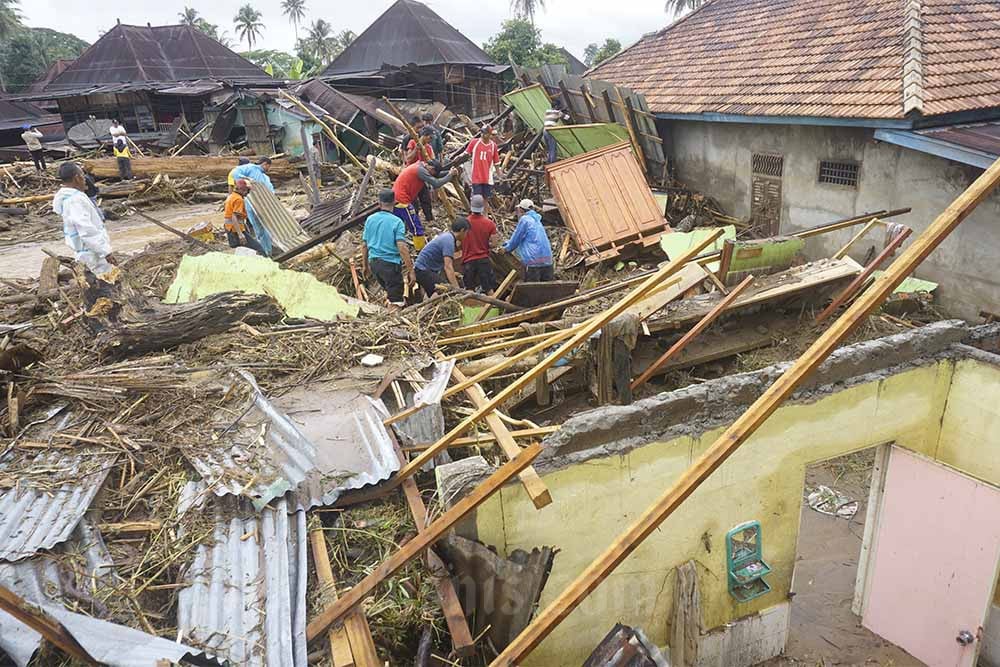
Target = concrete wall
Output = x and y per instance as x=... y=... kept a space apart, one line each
x=715 y=158
x=605 y=467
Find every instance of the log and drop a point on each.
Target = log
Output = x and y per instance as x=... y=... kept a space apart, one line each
x=159 y=327
x=748 y=423
x=182 y=166
x=39 y=621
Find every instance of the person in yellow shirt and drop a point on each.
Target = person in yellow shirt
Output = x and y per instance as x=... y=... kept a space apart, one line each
x=237 y=232
x=124 y=158
x=232 y=177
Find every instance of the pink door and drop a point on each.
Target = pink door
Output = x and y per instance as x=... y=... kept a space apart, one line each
x=934 y=561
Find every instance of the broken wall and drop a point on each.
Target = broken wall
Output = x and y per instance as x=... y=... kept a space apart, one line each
x=608 y=465
x=715 y=158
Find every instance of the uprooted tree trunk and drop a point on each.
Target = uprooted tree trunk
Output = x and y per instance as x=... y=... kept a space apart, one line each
x=144 y=325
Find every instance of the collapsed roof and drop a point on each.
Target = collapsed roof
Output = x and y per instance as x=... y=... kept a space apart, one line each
x=409 y=32
x=152 y=54
x=860 y=59
x=17 y=114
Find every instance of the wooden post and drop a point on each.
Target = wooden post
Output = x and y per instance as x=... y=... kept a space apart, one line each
x=359 y=194
x=591 y=110
x=748 y=422
x=610 y=106
x=703 y=324
x=629 y=113
x=579 y=335
x=326 y=128
x=310 y=165
x=414 y=547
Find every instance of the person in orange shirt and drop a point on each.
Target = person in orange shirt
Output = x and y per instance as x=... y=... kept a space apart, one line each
x=237 y=232
x=423 y=152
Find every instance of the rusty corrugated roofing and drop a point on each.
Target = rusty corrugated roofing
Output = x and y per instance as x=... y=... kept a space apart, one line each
x=983 y=137
x=843 y=58
x=130 y=53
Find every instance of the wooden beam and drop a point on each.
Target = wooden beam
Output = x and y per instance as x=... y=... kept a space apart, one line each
x=857 y=237
x=458 y=626
x=340 y=646
x=414 y=547
x=579 y=334
x=498 y=292
x=630 y=126
x=502 y=345
x=692 y=334
x=748 y=422
x=532 y=483
x=485 y=439
x=856 y=284
x=39 y=621
x=494 y=333
x=176 y=232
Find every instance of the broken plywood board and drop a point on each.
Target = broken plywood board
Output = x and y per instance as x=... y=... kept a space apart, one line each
x=300 y=294
x=779 y=286
x=690 y=276
x=604 y=199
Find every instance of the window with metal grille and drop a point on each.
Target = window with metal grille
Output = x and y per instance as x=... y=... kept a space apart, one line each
x=766 y=164
x=837 y=172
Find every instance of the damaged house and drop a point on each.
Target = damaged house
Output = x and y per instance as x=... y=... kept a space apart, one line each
x=410 y=52
x=797 y=112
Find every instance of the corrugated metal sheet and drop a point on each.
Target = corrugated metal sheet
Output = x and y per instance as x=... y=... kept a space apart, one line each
x=626 y=647
x=246 y=601
x=32 y=519
x=41 y=580
x=315 y=441
x=285 y=231
x=426 y=425
x=604 y=199
x=328 y=214
x=983 y=137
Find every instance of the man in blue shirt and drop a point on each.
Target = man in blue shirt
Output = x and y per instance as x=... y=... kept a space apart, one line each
x=438 y=256
x=531 y=244
x=384 y=251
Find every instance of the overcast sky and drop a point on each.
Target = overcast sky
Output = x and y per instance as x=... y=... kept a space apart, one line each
x=569 y=23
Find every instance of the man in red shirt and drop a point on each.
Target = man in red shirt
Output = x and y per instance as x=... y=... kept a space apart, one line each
x=407 y=187
x=477 y=269
x=485 y=156
x=423 y=152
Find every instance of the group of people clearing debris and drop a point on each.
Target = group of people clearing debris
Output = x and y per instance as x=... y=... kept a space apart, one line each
x=459 y=255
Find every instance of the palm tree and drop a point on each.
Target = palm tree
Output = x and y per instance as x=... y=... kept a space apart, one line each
x=249 y=25
x=10 y=20
x=318 y=40
x=678 y=7
x=295 y=10
x=526 y=9
x=189 y=17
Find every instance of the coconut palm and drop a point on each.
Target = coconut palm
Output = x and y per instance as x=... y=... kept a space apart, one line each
x=189 y=17
x=678 y=7
x=249 y=25
x=526 y=8
x=319 y=42
x=295 y=10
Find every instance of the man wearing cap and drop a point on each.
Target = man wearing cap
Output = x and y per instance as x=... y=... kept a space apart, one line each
x=235 y=217
x=531 y=244
x=33 y=140
x=384 y=251
x=485 y=155
x=257 y=173
x=407 y=187
x=439 y=256
x=477 y=269
x=437 y=140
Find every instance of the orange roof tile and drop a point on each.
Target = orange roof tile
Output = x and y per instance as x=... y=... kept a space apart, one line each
x=841 y=58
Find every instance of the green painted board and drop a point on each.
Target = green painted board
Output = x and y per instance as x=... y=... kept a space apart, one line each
x=577 y=139
x=298 y=293
x=676 y=243
x=469 y=313
x=765 y=253
x=530 y=104
x=911 y=285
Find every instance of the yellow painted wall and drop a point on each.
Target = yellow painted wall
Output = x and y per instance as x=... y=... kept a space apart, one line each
x=595 y=500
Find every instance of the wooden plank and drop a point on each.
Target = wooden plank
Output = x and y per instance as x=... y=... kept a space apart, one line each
x=48 y=278
x=502 y=345
x=458 y=627
x=485 y=439
x=36 y=619
x=340 y=646
x=498 y=293
x=748 y=422
x=630 y=126
x=414 y=547
x=688 y=277
x=711 y=348
x=857 y=237
x=703 y=324
x=856 y=284
x=495 y=333
x=579 y=334
x=532 y=483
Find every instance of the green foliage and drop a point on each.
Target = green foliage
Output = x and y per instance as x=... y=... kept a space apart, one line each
x=525 y=9
x=248 y=24
x=190 y=17
x=26 y=56
x=519 y=41
x=594 y=54
x=677 y=7
x=319 y=47
x=280 y=62
x=10 y=17
x=295 y=10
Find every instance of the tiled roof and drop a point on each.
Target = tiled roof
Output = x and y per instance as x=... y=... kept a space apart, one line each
x=842 y=58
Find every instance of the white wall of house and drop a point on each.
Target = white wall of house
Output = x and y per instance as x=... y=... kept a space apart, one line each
x=715 y=158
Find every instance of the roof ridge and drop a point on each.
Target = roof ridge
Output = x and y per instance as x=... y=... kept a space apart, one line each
x=131 y=48
x=409 y=7
x=913 y=57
